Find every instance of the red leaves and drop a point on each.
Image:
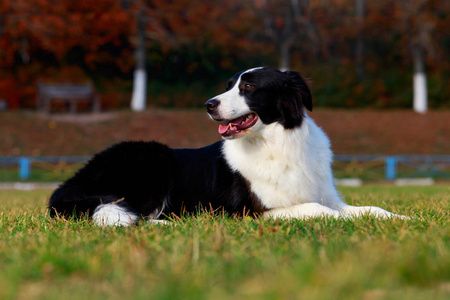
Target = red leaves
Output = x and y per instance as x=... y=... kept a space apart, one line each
x=58 y=26
x=221 y=34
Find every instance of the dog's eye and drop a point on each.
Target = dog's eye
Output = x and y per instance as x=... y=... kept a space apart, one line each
x=248 y=86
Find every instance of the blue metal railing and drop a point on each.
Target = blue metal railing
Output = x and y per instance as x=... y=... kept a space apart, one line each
x=391 y=162
x=429 y=165
x=24 y=163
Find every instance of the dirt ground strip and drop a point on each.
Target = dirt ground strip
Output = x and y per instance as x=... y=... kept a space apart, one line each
x=350 y=131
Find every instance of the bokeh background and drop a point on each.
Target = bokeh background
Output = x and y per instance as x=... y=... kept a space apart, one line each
x=357 y=53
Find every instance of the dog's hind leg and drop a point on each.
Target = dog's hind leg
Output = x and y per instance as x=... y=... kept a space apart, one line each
x=120 y=213
x=114 y=214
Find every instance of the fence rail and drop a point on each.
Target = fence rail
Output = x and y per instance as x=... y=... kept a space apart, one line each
x=25 y=163
x=436 y=165
x=388 y=167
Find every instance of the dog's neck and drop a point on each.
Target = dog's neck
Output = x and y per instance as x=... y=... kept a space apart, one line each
x=274 y=139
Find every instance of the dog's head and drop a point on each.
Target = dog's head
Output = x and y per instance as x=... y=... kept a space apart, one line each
x=258 y=97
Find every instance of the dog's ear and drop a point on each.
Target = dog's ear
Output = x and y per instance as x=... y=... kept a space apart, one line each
x=299 y=85
x=296 y=96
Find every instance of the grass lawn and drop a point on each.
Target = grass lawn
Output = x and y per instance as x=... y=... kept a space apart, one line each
x=207 y=257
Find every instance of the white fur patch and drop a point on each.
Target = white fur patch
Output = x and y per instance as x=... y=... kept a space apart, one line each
x=113 y=215
x=314 y=210
x=286 y=167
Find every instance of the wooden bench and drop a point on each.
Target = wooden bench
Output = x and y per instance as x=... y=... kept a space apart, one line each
x=70 y=94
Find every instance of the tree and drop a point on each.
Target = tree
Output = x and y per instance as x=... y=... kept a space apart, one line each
x=32 y=27
x=185 y=42
x=201 y=26
x=420 y=22
x=418 y=36
x=138 y=99
x=359 y=50
x=286 y=23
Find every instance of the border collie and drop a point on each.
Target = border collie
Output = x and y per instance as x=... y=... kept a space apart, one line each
x=273 y=161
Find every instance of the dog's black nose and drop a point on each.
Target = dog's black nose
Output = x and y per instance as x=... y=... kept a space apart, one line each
x=211 y=105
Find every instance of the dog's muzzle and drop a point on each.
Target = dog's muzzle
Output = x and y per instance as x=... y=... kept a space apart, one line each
x=211 y=107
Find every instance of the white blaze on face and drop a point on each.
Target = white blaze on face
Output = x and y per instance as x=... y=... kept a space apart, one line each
x=232 y=104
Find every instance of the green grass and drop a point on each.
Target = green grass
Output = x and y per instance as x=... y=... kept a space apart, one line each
x=206 y=257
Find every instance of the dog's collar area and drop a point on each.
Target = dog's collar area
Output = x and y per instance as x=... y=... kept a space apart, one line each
x=236 y=126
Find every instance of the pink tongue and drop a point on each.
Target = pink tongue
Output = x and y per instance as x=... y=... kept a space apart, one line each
x=224 y=128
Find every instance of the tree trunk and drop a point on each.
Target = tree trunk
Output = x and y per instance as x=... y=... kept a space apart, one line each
x=420 y=101
x=285 y=55
x=360 y=49
x=138 y=99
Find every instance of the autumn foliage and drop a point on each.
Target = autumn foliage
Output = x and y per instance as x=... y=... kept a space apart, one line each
x=354 y=58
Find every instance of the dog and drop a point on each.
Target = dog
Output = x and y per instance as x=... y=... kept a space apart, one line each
x=273 y=161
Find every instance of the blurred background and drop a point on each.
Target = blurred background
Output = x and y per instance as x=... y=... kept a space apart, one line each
x=367 y=62
x=358 y=53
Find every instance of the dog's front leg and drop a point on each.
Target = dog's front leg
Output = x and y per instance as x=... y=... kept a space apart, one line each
x=359 y=211
x=302 y=211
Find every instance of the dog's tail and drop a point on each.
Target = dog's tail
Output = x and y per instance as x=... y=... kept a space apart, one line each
x=67 y=201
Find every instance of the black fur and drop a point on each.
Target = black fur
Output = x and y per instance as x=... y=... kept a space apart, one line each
x=148 y=176
x=277 y=96
x=125 y=171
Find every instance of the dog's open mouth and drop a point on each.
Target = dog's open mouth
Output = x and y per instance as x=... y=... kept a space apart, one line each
x=234 y=127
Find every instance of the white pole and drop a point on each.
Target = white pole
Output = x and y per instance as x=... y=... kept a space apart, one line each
x=420 y=92
x=138 y=99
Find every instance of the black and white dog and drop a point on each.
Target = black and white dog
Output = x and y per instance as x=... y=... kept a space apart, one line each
x=274 y=160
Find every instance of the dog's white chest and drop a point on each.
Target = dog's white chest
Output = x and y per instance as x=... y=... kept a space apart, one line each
x=278 y=180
